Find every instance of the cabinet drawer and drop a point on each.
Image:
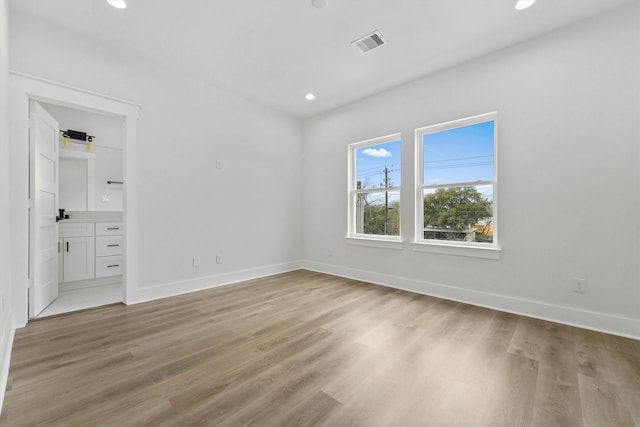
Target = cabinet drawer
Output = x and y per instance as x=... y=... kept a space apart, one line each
x=109 y=266
x=76 y=229
x=108 y=228
x=109 y=245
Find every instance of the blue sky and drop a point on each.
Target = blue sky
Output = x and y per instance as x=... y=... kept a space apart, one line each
x=371 y=161
x=459 y=155
x=463 y=154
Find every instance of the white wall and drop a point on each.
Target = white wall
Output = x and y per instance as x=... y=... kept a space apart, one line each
x=249 y=211
x=6 y=323
x=568 y=106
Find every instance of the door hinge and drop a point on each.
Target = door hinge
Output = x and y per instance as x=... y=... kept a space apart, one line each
x=30 y=284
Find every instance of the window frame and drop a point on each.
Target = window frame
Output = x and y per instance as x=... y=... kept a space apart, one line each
x=377 y=240
x=476 y=249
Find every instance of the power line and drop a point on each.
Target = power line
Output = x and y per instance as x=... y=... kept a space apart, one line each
x=375 y=168
x=459 y=158
x=460 y=165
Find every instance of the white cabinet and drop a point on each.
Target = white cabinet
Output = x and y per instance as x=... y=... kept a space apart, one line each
x=109 y=249
x=90 y=250
x=77 y=251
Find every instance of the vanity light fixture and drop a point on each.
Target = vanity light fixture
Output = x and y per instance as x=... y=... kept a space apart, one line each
x=309 y=97
x=118 y=4
x=523 y=4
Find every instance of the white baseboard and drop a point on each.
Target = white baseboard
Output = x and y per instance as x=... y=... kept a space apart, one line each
x=6 y=344
x=623 y=326
x=165 y=290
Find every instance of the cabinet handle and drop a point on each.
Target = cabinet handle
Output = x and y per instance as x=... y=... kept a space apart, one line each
x=113 y=265
x=58 y=247
x=67 y=246
x=112 y=246
x=113 y=228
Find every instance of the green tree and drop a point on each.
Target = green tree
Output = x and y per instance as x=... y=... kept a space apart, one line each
x=455 y=208
x=374 y=219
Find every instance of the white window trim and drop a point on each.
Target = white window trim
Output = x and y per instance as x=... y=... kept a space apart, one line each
x=378 y=242
x=458 y=248
x=375 y=240
x=472 y=249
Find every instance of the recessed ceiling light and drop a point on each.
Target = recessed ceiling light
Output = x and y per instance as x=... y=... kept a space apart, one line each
x=119 y=4
x=523 y=4
x=319 y=4
x=309 y=97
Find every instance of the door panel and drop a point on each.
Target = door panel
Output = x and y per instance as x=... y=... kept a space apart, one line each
x=43 y=244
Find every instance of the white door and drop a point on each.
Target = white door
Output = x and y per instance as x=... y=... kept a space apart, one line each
x=43 y=242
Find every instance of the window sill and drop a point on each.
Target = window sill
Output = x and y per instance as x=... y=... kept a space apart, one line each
x=375 y=242
x=459 y=250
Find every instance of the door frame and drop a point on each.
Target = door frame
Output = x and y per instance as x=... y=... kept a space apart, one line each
x=23 y=88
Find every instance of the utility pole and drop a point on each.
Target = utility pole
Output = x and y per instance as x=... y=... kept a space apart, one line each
x=360 y=202
x=386 y=199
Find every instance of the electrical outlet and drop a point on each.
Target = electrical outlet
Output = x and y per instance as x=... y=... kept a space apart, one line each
x=196 y=261
x=218 y=259
x=581 y=286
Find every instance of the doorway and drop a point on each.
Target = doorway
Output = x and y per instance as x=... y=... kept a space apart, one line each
x=24 y=90
x=89 y=212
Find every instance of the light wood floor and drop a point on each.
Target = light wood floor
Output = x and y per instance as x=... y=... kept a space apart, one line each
x=306 y=349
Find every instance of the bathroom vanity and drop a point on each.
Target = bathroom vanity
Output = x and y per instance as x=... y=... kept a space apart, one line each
x=91 y=249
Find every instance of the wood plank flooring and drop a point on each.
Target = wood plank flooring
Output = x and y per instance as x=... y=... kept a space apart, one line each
x=309 y=349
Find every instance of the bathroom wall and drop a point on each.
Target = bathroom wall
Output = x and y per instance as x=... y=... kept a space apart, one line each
x=108 y=164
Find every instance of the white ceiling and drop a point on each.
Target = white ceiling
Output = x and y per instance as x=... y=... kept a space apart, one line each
x=275 y=51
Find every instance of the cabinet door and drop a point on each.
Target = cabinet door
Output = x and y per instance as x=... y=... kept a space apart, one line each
x=60 y=260
x=79 y=258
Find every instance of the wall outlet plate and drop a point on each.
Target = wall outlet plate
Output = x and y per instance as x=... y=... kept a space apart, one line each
x=581 y=286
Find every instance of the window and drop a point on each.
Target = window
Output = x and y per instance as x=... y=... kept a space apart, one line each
x=456 y=174
x=374 y=188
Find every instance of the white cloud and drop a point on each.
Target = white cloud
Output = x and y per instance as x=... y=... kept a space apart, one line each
x=381 y=152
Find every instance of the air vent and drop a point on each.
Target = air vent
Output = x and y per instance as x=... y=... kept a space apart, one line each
x=369 y=42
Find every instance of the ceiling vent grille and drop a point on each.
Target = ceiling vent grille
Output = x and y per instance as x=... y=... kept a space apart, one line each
x=369 y=42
